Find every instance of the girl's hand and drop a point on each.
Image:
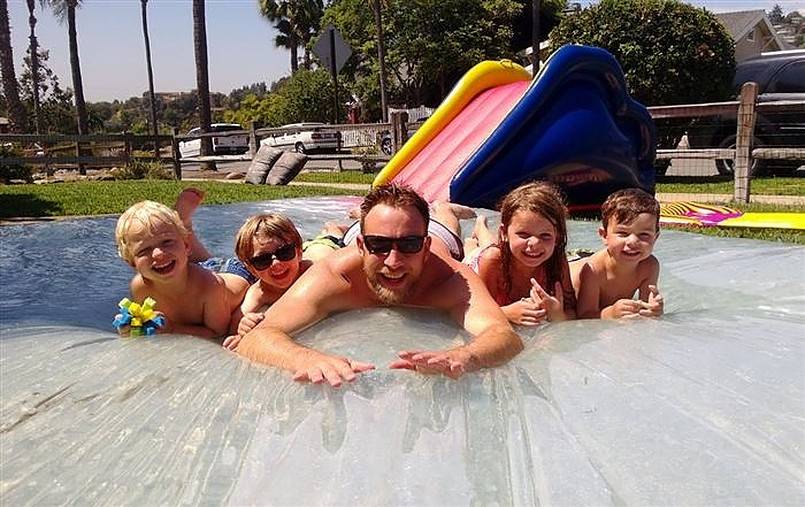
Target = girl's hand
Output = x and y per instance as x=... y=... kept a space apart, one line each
x=248 y=322
x=524 y=312
x=554 y=306
x=232 y=342
x=624 y=309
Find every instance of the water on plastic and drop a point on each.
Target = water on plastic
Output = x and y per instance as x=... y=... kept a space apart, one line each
x=703 y=406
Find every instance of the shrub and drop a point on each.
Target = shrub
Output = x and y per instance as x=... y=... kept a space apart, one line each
x=367 y=165
x=14 y=171
x=143 y=170
x=671 y=52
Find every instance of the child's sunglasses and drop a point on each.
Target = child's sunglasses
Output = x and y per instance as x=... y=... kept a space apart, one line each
x=383 y=244
x=283 y=254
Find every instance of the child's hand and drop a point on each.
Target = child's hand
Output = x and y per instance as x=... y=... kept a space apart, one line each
x=655 y=305
x=232 y=342
x=554 y=306
x=524 y=312
x=124 y=330
x=625 y=308
x=248 y=322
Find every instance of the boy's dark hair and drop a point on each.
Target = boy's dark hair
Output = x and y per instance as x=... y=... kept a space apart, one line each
x=625 y=206
x=396 y=196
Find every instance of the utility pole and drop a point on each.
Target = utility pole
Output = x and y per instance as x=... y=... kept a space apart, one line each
x=535 y=38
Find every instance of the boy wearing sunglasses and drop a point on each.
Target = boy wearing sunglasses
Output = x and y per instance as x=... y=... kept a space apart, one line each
x=153 y=240
x=394 y=262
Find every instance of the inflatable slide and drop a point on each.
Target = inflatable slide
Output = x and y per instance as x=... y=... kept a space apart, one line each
x=574 y=125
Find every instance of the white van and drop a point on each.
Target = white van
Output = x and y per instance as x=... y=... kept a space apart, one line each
x=236 y=144
x=303 y=137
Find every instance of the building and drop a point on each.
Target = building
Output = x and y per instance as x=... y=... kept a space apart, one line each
x=752 y=32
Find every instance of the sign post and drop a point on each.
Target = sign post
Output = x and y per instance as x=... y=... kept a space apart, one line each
x=333 y=53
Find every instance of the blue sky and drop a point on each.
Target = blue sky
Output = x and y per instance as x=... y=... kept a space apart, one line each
x=240 y=43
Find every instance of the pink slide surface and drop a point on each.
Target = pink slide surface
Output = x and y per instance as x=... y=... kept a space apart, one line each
x=432 y=169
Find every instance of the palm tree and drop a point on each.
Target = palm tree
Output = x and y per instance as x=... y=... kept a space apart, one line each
x=202 y=78
x=151 y=96
x=10 y=88
x=65 y=10
x=33 y=48
x=297 y=22
x=285 y=14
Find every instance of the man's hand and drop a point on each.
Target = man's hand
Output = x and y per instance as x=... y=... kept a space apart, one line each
x=318 y=367
x=248 y=321
x=524 y=312
x=554 y=306
x=452 y=363
x=655 y=305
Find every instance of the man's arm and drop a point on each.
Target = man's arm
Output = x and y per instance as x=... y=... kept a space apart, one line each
x=319 y=292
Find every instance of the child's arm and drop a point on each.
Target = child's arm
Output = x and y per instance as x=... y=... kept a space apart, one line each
x=588 y=294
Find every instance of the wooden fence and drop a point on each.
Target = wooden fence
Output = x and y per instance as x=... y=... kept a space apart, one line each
x=367 y=135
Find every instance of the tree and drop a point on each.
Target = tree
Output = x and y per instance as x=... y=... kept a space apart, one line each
x=776 y=14
x=671 y=52
x=56 y=104
x=151 y=96
x=202 y=78
x=33 y=51
x=428 y=46
x=9 y=77
x=65 y=11
x=381 y=57
x=297 y=21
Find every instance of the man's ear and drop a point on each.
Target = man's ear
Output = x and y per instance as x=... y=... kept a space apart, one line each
x=359 y=242
x=426 y=246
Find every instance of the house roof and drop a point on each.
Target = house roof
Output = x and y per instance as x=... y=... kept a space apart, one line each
x=740 y=23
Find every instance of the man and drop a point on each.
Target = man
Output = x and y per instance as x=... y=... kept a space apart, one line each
x=393 y=262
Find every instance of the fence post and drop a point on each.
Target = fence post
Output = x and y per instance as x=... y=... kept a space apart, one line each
x=127 y=142
x=177 y=165
x=253 y=146
x=743 y=141
x=82 y=169
x=399 y=130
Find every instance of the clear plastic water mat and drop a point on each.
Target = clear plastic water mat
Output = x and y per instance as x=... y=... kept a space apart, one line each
x=704 y=406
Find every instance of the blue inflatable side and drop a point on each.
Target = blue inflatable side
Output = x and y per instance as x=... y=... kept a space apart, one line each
x=576 y=126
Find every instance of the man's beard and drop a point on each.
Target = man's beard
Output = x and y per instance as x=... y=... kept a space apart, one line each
x=384 y=294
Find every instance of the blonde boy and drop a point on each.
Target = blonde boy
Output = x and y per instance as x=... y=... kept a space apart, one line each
x=606 y=282
x=151 y=238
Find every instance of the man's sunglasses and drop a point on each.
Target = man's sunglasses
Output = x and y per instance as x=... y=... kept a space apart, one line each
x=383 y=244
x=283 y=254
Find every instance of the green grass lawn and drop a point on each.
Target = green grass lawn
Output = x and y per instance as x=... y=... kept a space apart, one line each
x=726 y=185
x=104 y=197
x=110 y=197
x=336 y=177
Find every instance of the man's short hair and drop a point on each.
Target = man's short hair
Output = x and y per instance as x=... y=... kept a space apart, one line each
x=625 y=206
x=396 y=196
x=264 y=227
x=148 y=215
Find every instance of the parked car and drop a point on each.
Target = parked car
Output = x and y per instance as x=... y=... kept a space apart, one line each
x=303 y=138
x=386 y=143
x=780 y=76
x=220 y=145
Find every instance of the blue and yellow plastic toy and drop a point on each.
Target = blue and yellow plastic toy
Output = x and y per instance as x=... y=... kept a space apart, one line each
x=141 y=318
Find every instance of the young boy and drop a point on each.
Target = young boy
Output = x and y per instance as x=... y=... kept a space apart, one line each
x=605 y=282
x=153 y=240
